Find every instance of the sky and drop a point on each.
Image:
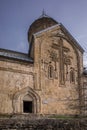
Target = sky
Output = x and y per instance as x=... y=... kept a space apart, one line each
x=17 y=15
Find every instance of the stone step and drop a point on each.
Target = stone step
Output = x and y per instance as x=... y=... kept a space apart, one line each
x=28 y=116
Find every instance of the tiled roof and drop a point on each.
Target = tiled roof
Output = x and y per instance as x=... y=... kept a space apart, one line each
x=15 y=55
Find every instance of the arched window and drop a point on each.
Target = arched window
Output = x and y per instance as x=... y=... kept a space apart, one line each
x=72 y=76
x=50 y=71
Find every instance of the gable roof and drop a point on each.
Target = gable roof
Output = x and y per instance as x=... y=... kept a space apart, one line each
x=65 y=31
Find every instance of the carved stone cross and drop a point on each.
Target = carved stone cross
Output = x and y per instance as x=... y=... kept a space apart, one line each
x=61 y=50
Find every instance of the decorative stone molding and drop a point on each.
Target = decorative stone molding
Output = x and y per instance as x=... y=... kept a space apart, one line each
x=18 y=100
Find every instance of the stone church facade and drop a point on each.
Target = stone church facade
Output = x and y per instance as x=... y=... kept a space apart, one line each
x=47 y=80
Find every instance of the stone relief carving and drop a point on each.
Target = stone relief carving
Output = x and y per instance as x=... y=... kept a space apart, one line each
x=53 y=55
x=57 y=34
x=50 y=61
x=67 y=62
x=59 y=57
x=45 y=64
x=60 y=33
x=64 y=59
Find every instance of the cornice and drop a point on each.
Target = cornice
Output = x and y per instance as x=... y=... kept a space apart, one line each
x=71 y=38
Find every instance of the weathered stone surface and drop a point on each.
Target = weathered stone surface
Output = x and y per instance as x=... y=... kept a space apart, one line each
x=52 y=84
x=43 y=124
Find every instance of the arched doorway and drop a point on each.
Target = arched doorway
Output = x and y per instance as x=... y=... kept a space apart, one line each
x=26 y=101
x=28 y=104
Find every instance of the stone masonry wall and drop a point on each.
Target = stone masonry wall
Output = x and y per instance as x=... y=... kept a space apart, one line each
x=48 y=82
x=43 y=124
x=13 y=78
x=57 y=90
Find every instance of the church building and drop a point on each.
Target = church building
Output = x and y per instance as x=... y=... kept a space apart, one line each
x=46 y=80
